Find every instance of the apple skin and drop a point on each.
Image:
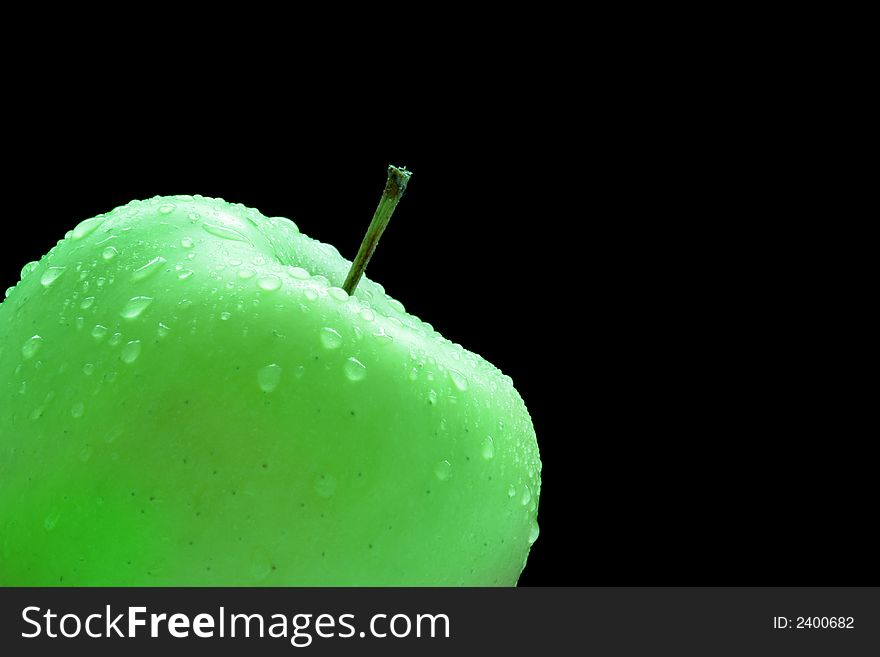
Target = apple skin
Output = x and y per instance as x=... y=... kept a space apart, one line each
x=221 y=435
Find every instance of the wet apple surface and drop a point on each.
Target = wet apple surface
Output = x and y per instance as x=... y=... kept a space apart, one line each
x=189 y=397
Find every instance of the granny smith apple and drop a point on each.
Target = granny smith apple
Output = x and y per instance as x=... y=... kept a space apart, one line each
x=188 y=398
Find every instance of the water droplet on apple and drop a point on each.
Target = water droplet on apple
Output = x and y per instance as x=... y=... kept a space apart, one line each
x=187 y=243
x=166 y=208
x=311 y=295
x=511 y=491
x=337 y=293
x=226 y=233
x=31 y=347
x=130 y=352
x=77 y=410
x=246 y=273
x=432 y=397
x=269 y=377
x=330 y=338
x=298 y=272
x=526 y=495
x=458 y=379
x=87 y=303
x=443 y=470
x=51 y=521
x=224 y=316
x=148 y=269
x=28 y=268
x=115 y=339
x=396 y=305
x=163 y=330
x=99 y=332
x=269 y=283
x=355 y=370
x=382 y=337
x=135 y=307
x=88 y=369
x=109 y=253
x=261 y=564
x=86 y=228
x=51 y=275
x=325 y=485
x=488 y=450
x=368 y=315
x=183 y=274
x=534 y=530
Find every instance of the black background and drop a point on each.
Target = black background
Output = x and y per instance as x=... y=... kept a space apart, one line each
x=650 y=314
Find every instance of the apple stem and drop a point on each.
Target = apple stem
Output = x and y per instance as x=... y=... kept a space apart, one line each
x=394 y=189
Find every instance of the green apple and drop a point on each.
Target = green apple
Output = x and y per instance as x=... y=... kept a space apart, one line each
x=187 y=399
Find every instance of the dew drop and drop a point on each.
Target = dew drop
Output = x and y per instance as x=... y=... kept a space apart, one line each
x=432 y=397
x=184 y=274
x=99 y=332
x=534 y=531
x=77 y=410
x=166 y=208
x=488 y=449
x=31 y=347
x=164 y=330
x=337 y=293
x=526 y=495
x=148 y=269
x=311 y=295
x=246 y=273
x=458 y=379
x=135 y=307
x=261 y=564
x=298 y=272
x=224 y=316
x=109 y=253
x=325 y=485
x=85 y=453
x=511 y=491
x=50 y=521
x=226 y=233
x=368 y=315
x=382 y=337
x=88 y=369
x=355 y=370
x=396 y=305
x=130 y=352
x=187 y=243
x=269 y=283
x=28 y=268
x=115 y=339
x=51 y=275
x=330 y=338
x=87 y=303
x=269 y=377
x=86 y=228
x=443 y=470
